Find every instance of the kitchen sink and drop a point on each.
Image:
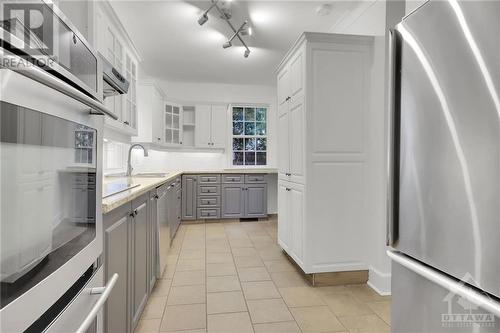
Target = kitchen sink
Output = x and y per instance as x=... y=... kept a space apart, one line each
x=113 y=188
x=151 y=175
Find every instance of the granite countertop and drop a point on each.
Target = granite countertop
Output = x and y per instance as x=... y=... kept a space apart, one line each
x=149 y=183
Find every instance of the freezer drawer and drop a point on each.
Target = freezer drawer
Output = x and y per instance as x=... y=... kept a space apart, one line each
x=419 y=305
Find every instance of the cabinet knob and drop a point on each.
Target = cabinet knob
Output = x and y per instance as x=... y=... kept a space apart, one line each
x=288 y=189
x=126 y=123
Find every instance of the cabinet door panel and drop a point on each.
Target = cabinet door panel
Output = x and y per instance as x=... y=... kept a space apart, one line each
x=296 y=140
x=219 y=122
x=296 y=76
x=255 y=200
x=116 y=261
x=140 y=250
x=283 y=144
x=203 y=124
x=233 y=203
x=283 y=86
x=296 y=220
x=284 y=230
x=189 y=197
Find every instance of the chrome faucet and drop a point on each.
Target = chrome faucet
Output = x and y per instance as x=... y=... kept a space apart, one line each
x=129 y=163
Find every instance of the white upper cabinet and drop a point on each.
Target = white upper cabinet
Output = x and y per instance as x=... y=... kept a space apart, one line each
x=150 y=107
x=291 y=119
x=219 y=124
x=114 y=44
x=210 y=126
x=173 y=124
x=323 y=89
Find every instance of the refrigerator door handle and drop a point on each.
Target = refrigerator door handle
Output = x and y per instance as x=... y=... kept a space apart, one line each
x=446 y=282
x=393 y=99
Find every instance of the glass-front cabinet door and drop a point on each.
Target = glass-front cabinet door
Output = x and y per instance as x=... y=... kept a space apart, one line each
x=173 y=121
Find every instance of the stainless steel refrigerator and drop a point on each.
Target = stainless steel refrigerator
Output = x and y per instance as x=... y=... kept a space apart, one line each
x=444 y=168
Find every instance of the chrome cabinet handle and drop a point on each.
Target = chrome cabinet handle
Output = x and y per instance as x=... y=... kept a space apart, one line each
x=126 y=123
x=48 y=80
x=104 y=291
x=455 y=287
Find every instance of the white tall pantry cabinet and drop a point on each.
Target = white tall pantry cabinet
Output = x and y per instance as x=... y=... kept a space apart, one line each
x=323 y=93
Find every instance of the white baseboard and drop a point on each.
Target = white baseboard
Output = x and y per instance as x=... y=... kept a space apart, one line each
x=380 y=282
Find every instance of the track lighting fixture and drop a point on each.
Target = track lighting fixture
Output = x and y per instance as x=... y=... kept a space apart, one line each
x=204 y=17
x=225 y=14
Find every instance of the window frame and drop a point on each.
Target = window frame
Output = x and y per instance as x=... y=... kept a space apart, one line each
x=231 y=135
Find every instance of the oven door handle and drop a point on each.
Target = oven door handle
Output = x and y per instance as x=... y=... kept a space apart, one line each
x=104 y=291
x=48 y=80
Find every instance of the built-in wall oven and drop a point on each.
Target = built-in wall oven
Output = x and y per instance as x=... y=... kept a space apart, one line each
x=51 y=128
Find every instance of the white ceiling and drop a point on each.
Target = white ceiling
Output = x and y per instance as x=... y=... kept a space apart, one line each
x=175 y=47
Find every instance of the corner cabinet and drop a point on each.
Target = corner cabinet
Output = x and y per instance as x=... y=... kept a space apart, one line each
x=323 y=93
x=210 y=126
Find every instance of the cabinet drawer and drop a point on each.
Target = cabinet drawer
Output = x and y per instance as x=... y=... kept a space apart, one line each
x=209 y=179
x=209 y=201
x=208 y=213
x=208 y=189
x=232 y=179
x=255 y=178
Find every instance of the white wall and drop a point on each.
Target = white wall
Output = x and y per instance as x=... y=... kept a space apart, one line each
x=370 y=19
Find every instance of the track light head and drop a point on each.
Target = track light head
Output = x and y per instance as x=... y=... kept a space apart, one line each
x=227 y=44
x=246 y=31
x=247 y=53
x=203 y=19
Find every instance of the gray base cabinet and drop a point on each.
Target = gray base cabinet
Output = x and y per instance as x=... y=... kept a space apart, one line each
x=233 y=201
x=139 y=244
x=255 y=200
x=116 y=246
x=128 y=251
x=189 y=189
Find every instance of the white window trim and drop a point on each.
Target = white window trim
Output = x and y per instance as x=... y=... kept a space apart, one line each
x=230 y=136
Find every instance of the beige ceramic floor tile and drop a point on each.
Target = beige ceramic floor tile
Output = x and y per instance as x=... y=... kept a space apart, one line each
x=222 y=283
x=220 y=269
x=331 y=290
x=225 y=302
x=346 y=305
x=240 y=242
x=190 y=331
x=365 y=324
x=260 y=290
x=253 y=261
x=268 y=311
x=316 y=319
x=288 y=279
x=154 y=308
x=192 y=254
x=364 y=293
x=284 y=327
x=230 y=323
x=382 y=309
x=247 y=274
x=300 y=296
x=245 y=252
x=281 y=265
x=190 y=265
x=219 y=258
x=148 y=326
x=187 y=295
x=272 y=253
x=188 y=278
x=184 y=317
x=161 y=288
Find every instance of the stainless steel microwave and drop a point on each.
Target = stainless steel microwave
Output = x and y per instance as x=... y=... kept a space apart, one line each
x=40 y=32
